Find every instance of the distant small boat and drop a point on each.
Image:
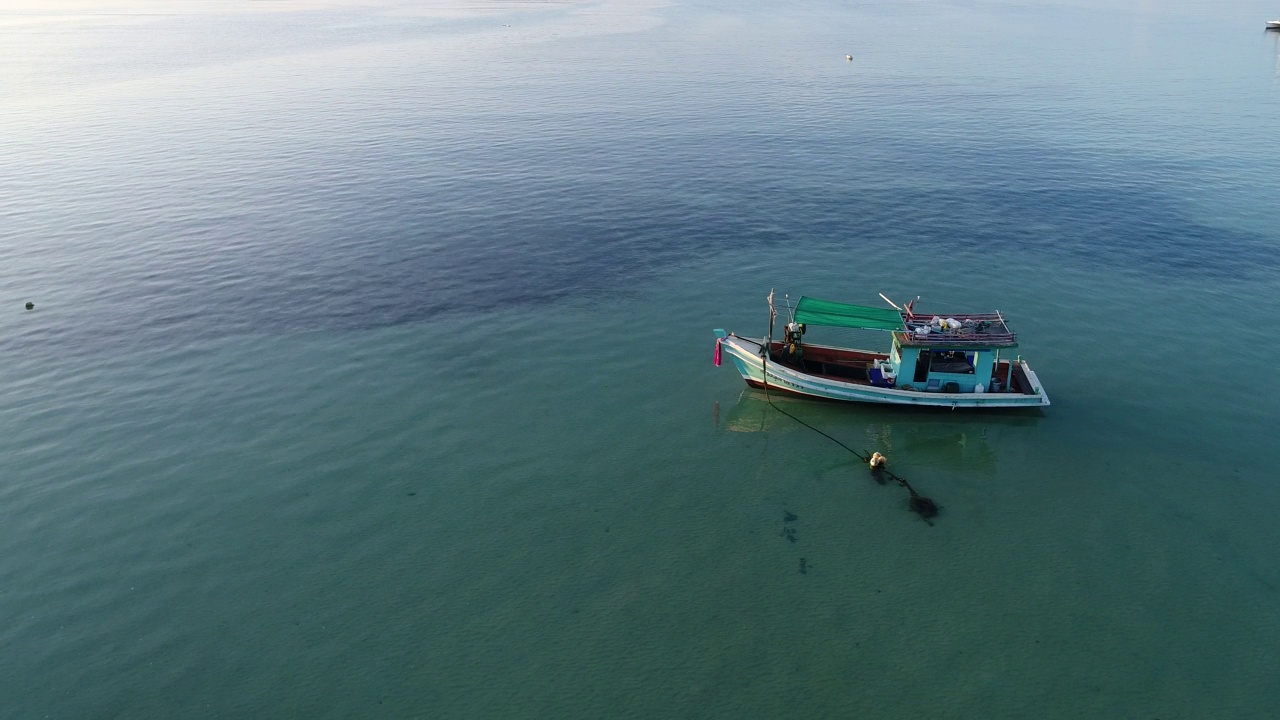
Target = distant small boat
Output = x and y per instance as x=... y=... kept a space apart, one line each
x=932 y=359
x=1273 y=24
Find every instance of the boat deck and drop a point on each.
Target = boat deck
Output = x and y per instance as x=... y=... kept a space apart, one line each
x=854 y=366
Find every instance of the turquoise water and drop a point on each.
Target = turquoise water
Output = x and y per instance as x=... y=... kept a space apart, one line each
x=370 y=371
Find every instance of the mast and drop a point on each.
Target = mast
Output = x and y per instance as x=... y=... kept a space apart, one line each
x=768 y=344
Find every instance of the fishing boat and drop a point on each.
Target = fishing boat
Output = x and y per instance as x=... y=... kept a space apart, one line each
x=1273 y=24
x=937 y=359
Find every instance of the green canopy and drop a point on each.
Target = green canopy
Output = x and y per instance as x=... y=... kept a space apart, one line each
x=812 y=311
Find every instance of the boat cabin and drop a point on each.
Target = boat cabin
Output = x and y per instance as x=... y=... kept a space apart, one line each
x=945 y=354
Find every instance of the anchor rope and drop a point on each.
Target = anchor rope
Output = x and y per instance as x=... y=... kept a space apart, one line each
x=920 y=504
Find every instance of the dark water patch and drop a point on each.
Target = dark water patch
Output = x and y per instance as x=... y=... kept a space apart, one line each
x=403 y=268
x=1125 y=230
x=418 y=214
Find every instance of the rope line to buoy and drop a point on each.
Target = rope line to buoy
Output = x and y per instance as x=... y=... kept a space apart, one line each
x=920 y=504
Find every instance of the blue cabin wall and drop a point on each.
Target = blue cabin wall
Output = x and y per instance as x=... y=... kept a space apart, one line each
x=982 y=367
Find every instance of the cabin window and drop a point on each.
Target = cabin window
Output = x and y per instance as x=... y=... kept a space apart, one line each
x=955 y=362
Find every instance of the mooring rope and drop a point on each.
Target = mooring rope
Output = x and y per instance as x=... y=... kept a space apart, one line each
x=923 y=506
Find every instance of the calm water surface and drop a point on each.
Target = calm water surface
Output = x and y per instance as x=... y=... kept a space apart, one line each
x=369 y=374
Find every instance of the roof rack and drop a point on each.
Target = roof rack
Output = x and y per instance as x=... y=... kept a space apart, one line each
x=978 y=330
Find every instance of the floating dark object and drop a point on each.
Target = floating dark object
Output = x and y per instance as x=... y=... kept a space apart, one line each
x=31 y=306
x=804 y=567
x=924 y=506
x=788 y=517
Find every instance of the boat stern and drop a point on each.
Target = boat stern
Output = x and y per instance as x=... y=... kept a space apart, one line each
x=1034 y=380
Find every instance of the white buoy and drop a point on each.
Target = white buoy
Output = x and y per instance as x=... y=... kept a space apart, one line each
x=849 y=58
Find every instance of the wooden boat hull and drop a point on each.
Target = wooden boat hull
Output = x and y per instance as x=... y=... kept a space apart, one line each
x=745 y=354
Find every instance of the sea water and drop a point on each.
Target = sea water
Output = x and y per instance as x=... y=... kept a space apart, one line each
x=369 y=373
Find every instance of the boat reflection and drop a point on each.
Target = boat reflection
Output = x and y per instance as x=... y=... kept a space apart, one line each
x=928 y=436
x=751 y=413
x=1274 y=36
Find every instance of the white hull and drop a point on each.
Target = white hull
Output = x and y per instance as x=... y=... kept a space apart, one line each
x=745 y=355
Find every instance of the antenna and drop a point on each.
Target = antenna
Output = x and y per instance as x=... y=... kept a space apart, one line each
x=895 y=307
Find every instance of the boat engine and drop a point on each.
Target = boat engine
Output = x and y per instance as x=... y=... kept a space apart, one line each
x=792 y=349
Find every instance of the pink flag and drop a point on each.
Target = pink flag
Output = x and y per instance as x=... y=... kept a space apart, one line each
x=717 y=359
